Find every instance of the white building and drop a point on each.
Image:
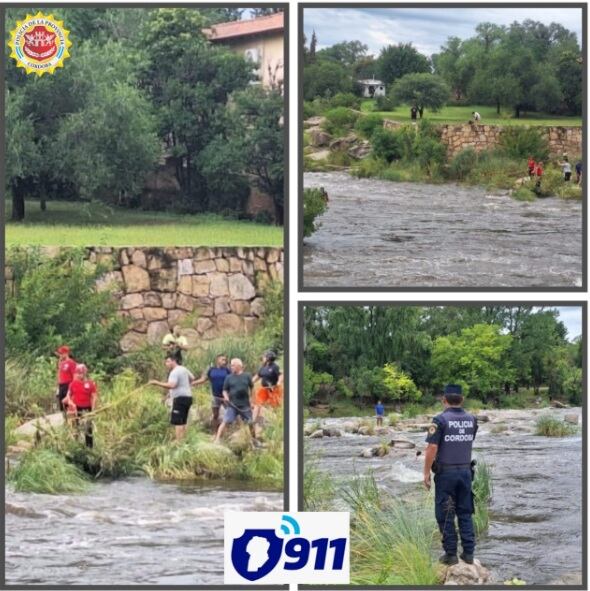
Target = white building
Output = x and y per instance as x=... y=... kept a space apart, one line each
x=372 y=88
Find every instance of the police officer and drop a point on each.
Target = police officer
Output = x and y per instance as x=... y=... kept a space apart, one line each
x=448 y=454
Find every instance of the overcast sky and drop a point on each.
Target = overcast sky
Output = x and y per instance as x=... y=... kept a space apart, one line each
x=426 y=28
x=571 y=316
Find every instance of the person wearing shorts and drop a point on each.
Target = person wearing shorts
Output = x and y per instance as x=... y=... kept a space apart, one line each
x=270 y=391
x=216 y=377
x=82 y=396
x=179 y=390
x=237 y=389
x=66 y=368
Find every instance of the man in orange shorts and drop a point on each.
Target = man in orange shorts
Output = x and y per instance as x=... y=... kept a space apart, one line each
x=271 y=389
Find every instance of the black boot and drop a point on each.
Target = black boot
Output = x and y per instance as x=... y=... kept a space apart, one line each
x=468 y=558
x=449 y=559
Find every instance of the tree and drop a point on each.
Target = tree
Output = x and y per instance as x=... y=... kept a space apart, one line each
x=313 y=44
x=22 y=153
x=396 y=61
x=325 y=78
x=265 y=11
x=477 y=358
x=346 y=53
x=399 y=385
x=422 y=90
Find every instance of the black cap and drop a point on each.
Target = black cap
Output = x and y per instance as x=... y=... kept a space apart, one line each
x=453 y=389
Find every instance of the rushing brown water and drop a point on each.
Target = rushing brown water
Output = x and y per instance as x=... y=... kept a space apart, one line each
x=385 y=234
x=125 y=532
x=535 y=530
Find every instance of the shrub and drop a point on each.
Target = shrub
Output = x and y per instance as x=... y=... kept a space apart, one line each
x=524 y=194
x=482 y=493
x=44 y=471
x=10 y=424
x=462 y=164
x=318 y=489
x=339 y=120
x=495 y=170
x=551 y=182
x=367 y=125
x=399 y=384
x=386 y=145
x=29 y=386
x=521 y=142
x=383 y=103
x=430 y=153
x=339 y=158
x=345 y=99
x=569 y=191
x=315 y=203
x=549 y=426
x=368 y=167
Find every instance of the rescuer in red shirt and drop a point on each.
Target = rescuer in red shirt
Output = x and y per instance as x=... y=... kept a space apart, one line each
x=82 y=395
x=65 y=374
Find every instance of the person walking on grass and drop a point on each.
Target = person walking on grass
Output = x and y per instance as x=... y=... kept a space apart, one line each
x=216 y=377
x=66 y=367
x=178 y=387
x=531 y=166
x=448 y=454
x=270 y=391
x=80 y=400
x=237 y=390
x=566 y=168
x=379 y=413
x=175 y=343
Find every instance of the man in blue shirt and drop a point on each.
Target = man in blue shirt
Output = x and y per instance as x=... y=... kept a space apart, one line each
x=379 y=413
x=448 y=454
x=216 y=376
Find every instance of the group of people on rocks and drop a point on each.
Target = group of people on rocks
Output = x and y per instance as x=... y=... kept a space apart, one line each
x=535 y=170
x=232 y=389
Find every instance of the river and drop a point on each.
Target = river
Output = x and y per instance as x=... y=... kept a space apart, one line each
x=125 y=532
x=535 y=530
x=385 y=234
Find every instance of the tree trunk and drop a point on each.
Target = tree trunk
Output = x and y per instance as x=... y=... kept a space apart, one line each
x=18 y=201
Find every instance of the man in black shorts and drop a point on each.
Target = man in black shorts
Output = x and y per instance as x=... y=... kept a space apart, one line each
x=237 y=390
x=179 y=390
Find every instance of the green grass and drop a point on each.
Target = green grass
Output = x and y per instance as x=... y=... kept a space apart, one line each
x=549 y=426
x=482 y=491
x=95 y=224
x=44 y=471
x=454 y=115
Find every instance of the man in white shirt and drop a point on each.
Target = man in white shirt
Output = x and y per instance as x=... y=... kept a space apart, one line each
x=476 y=116
x=175 y=343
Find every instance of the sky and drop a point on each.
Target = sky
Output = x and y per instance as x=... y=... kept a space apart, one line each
x=426 y=28
x=571 y=316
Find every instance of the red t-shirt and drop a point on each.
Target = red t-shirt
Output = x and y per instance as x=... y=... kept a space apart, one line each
x=81 y=393
x=531 y=164
x=65 y=371
x=539 y=171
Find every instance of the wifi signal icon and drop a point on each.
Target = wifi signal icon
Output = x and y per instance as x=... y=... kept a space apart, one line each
x=290 y=521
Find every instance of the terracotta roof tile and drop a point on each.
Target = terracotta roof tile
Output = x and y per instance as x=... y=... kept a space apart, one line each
x=255 y=26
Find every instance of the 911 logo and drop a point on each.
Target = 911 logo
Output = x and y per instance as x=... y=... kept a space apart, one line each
x=281 y=548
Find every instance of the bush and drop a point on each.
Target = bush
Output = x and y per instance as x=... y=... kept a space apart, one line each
x=430 y=153
x=482 y=493
x=569 y=191
x=10 y=424
x=386 y=145
x=521 y=142
x=318 y=489
x=367 y=124
x=549 y=426
x=29 y=387
x=44 y=471
x=551 y=183
x=524 y=194
x=345 y=99
x=462 y=164
x=495 y=170
x=315 y=203
x=339 y=120
x=368 y=167
x=383 y=103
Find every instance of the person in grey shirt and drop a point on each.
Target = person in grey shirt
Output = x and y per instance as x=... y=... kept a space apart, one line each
x=237 y=390
x=179 y=390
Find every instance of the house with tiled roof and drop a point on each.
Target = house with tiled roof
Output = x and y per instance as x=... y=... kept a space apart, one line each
x=259 y=39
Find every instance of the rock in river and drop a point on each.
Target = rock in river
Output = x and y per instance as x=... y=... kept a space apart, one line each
x=467 y=574
x=571 y=418
x=330 y=432
x=317 y=434
x=377 y=451
x=402 y=443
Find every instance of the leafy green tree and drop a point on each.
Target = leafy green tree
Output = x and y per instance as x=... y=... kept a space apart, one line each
x=400 y=386
x=324 y=78
x=422 y=90
x=477 y=357
x=396 y=61
x=346 y=53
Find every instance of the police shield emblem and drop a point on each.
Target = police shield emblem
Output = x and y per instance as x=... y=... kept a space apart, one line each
x=256 y=552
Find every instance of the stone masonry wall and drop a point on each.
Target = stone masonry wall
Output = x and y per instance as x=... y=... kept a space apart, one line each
x=483 y=137
x=209 y=291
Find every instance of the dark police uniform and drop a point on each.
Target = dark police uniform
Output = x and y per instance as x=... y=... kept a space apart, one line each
x=454 y=431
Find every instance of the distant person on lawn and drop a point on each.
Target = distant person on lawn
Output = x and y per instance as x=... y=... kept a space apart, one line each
x=81 y=399
x=66 y=367
x=476 y=116
x=175 y=343
x=379 y=413
x=179 y=390
x=237 y=390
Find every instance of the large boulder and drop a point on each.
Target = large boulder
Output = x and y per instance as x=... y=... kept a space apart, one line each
x=572 y=418
x=317 y=121
x=402 y=443
x=365 y=430
x=467 y=574
x=350 y=427
x=319 y=155
x=319 y=138
x=360 y=151
x=344 y=143
x=376 y=451
x=41 y=424
x=318 y=434
x=331 y=432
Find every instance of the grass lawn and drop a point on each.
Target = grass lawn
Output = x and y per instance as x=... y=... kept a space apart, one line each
x=95 y=224
x=488 y=114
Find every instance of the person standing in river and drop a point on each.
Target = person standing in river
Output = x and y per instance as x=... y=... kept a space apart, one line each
x=66 y=366
x=179 y=390
x=379 y=413
x=216 y=376
x=448 y=455
x=270 y=391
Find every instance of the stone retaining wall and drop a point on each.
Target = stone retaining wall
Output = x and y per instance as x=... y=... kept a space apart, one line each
x=209 y=291
x=483 y=137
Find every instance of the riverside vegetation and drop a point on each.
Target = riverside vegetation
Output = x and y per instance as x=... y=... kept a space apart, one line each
x=415 y=153
x=132 y=434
